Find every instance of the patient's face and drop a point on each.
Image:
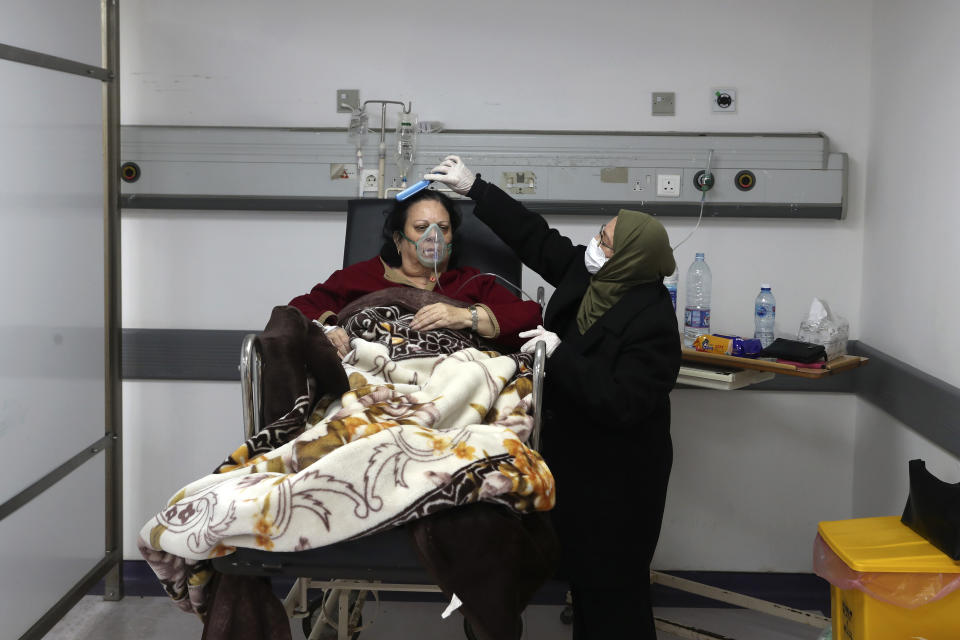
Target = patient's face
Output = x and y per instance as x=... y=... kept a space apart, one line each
x=420 y=216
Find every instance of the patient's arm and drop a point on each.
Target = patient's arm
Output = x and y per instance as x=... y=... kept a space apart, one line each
x=509 y=314
x=343 y=285
x=324 y=299
x=445 y=316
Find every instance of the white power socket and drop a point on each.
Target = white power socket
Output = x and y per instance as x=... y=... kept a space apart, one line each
x=369 y=178
x=668 y=185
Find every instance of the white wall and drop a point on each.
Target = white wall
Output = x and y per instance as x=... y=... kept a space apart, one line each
x=753 y=474
x=561 y=65
x=911 y=237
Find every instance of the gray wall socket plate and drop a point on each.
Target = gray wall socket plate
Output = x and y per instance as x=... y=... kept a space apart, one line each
x=663 y=103
x=348 y=100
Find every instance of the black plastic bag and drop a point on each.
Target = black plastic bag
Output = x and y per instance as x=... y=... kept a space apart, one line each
x=933 y=509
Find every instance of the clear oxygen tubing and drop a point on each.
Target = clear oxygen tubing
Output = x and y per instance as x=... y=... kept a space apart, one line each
x=498 y=277
x=438 y=240
x=703 y=196
x=436 y=274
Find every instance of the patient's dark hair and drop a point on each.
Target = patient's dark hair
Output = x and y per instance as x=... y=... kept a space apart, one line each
x=397 y=218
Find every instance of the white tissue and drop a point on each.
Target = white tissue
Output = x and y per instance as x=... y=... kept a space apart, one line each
x=819 y=310
x=823 y=327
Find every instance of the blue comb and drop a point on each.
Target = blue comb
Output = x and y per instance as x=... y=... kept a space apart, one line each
x=415 y=188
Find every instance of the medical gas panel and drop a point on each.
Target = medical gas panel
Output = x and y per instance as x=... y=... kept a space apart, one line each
x=754 y=175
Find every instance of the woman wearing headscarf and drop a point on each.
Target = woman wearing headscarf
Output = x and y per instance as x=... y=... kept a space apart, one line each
x=613 y=357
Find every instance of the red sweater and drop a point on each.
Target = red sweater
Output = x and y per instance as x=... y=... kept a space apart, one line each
x=510 y=314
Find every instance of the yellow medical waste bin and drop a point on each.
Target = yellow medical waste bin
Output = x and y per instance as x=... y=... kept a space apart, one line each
x=887 y=546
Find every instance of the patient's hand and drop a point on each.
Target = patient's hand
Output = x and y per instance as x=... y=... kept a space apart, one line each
x=340 y=340
x=441 y=316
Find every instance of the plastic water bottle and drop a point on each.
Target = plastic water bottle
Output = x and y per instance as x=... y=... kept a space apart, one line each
x=670 y=282
x=764 y=313
x=696 y=317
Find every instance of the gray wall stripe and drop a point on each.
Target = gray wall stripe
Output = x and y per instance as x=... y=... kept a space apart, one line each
x=926 y=404
x=181 y=354
x=305 y=203
x=37 y=59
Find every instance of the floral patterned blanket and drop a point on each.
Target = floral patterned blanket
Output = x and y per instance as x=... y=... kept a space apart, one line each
x=430 y=421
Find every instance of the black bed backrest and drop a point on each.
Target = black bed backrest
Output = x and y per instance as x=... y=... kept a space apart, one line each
x=475 y=244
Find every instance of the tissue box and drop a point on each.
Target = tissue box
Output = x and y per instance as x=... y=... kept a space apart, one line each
x=823 y=327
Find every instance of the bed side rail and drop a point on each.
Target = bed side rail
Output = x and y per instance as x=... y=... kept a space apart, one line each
x=251 y=385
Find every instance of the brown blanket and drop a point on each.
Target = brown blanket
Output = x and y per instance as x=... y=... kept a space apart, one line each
x=493 y=559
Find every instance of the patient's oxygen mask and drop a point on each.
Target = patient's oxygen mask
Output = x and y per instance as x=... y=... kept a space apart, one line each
x=432 y=248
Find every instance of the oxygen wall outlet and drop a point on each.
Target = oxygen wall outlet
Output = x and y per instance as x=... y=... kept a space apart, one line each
x=723 y=100
x=668 y=185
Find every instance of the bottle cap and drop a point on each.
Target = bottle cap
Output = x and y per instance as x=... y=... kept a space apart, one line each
x=764 y=286
x=699 y=255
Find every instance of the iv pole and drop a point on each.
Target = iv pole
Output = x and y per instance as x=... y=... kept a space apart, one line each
x=382 y=149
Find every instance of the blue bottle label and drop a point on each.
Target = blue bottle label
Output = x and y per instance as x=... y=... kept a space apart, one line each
x=673 y=296
x=696 y=318
x=762 y=310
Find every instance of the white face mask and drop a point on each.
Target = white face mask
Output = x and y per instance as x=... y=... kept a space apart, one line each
x=594 y=257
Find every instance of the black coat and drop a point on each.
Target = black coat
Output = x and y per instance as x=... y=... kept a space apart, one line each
x=606 y=422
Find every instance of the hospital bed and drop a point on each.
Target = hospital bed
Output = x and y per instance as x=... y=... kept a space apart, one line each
x=386 y=561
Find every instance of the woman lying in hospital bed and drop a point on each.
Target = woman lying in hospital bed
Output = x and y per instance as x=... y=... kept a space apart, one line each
x=428 y=416
x=417 y=250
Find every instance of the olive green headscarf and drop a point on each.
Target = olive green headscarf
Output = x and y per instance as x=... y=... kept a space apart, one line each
x=641 y=253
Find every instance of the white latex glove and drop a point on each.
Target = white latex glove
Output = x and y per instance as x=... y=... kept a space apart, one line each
x=551 y=339
x=453 y=173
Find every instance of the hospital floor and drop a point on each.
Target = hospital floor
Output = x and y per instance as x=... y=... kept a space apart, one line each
x=154 y=618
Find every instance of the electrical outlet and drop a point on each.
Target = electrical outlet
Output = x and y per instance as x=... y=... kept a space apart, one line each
x=370 y=180
x=668 y=185
x=663 y=103
x=645 y=184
